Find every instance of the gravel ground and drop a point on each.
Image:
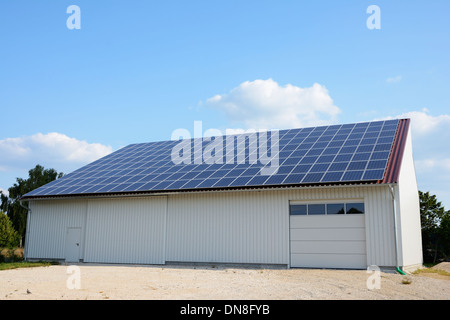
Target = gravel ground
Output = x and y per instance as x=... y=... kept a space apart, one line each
x=171 y=282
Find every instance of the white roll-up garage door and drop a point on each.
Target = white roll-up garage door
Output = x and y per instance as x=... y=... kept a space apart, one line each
x=321 y=240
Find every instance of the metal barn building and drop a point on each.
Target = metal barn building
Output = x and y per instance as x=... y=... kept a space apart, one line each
x=342 y=196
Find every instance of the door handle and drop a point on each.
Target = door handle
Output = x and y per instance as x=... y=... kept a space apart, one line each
x=78 y=244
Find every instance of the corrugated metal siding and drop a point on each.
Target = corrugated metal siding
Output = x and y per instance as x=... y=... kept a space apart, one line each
x=126 y=230
x=237 y=227
x=48 y=225
x=233 y=227
x=253 y=227
x=380 y=228
x=379 y=221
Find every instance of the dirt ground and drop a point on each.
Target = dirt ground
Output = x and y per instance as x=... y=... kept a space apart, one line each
x=172 y=282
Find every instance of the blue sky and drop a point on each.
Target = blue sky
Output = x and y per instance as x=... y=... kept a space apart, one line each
x=138 y=70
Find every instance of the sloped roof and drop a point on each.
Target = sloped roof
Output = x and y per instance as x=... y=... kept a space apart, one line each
x=368 y=152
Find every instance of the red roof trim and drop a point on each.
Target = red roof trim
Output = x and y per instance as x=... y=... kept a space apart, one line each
x=396 y=157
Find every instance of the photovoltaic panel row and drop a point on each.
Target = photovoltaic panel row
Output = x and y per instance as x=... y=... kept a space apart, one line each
x=311 y=155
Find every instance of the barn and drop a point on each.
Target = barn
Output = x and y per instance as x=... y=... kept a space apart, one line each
x=339 y=196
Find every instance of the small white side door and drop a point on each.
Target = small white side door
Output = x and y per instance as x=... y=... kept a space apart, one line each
x=73 y=238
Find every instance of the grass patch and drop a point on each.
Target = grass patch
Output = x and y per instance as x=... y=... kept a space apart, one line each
x=24 y=264
x=432 y=271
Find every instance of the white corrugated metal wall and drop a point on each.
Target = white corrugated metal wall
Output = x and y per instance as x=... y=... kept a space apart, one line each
x=380 y=237
x=245 y=227
x=47 y=227
x=129 y=230
x=235 y=227
x=378 y=216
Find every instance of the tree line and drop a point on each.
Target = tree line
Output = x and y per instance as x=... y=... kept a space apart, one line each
x=13 y=214
x=435 y=220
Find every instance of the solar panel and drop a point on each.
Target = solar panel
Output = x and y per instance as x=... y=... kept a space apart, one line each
x=326 y=154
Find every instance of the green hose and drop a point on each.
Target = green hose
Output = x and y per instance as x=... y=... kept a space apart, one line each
x=400 y=271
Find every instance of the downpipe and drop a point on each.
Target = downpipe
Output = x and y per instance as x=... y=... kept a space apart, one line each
x=394 y=205
x=400 y=271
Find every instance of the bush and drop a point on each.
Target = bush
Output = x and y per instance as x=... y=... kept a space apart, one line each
x=10 y=255
x=9 y=237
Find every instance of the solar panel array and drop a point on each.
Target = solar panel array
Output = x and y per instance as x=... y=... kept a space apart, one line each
x=325 y=154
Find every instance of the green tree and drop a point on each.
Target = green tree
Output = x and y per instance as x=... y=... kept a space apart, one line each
x=444 y=234
x=435 y=221
x=9 y=237
x=37 y=177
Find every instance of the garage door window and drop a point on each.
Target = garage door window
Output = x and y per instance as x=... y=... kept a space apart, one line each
x=314 y=209
x=327 y=208
x=297 y=210
x=355 y=208
x=336 y=208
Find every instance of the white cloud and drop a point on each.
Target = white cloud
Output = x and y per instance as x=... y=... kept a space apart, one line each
x=427 y=164
x=52 y=149
x=423 y=123
x=394 y=79
x=264 y=104
x=433 y=174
